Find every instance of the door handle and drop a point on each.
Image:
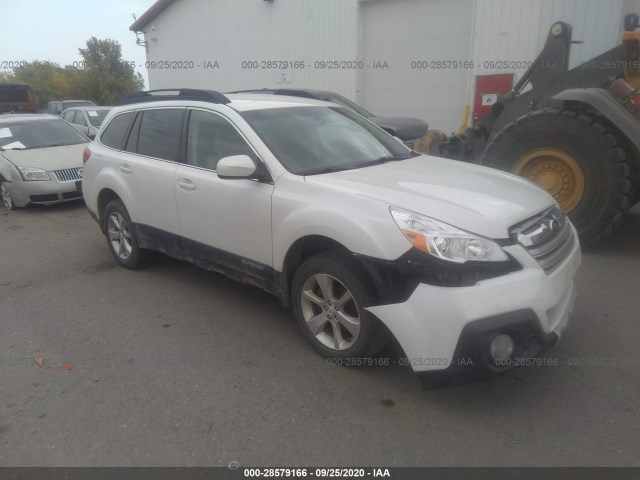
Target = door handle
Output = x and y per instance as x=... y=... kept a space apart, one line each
x=186 y=185
x=126 y=169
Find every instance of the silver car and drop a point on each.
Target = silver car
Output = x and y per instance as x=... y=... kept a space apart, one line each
x=40 y=160
x=86 y=120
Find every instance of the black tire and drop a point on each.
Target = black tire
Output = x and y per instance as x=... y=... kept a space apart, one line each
x=136 y=257
x=351 y=276
x=599 y=153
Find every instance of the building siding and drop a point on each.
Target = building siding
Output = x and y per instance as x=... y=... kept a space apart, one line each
x=233 y=31
x=396 y=31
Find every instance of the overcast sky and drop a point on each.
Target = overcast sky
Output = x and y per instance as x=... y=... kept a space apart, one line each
x=55 y=29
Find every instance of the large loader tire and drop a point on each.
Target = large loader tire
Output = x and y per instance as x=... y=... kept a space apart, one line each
x=576 y=158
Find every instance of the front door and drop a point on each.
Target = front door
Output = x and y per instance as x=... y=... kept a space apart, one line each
x=227 y=222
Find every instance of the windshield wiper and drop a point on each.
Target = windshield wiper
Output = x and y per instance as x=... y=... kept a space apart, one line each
x=381 y=160
x=368 y=163
x=320 y=171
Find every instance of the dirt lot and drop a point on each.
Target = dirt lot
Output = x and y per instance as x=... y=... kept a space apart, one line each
x=172 y=365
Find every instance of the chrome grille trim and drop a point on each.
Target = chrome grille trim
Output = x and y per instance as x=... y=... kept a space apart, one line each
x=69 y=174
x=548 y=237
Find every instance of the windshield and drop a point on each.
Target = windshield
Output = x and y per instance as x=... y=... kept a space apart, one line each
x=345 y=102
x=96 y=117
x=38 y=134
x=312 y=140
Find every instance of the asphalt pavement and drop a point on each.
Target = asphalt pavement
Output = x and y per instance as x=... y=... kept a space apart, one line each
x=172 y=365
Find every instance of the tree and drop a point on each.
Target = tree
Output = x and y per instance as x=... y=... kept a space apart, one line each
x=106 y=77
x=47 y=79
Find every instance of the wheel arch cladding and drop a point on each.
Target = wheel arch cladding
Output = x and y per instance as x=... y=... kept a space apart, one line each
x=105 y=196
x=301 y=250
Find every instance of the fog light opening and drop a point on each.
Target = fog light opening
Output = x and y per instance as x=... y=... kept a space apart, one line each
x=502 y=347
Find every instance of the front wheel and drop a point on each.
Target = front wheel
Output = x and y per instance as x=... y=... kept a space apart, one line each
x=329 y=295
x=6 y=196
x=577 y=159
x=122 y=239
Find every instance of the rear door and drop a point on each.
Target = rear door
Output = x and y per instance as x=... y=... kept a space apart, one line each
x=225 y=221
x=145 y=165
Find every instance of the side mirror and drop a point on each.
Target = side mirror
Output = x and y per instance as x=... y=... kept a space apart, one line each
x=236 y=167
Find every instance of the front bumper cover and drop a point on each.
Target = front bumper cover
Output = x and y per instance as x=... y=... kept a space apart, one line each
x=471 y=360
x=438 y=327
x=44 y=192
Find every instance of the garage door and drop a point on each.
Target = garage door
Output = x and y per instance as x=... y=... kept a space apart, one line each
x=435 y=33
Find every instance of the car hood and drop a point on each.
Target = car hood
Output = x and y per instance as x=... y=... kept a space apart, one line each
x=477 y=199
x=403 y=128
x=49 y=158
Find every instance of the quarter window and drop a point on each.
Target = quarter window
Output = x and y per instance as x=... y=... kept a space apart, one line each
x=212 y=138
x=113 y=136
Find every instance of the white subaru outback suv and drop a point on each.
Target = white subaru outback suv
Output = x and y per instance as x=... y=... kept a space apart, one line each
x=470 y=269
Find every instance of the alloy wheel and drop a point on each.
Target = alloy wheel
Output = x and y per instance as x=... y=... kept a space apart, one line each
x=119 y=235
x=6 y=197
x=330 y=311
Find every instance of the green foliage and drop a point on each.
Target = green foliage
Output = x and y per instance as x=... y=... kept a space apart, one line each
x=47 y=80
x=6 y=77
x=104 y=78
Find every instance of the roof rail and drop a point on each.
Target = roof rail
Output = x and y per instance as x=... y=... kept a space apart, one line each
x=173 y=94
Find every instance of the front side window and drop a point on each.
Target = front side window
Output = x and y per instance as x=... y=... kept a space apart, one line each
x=79 y=119
x=159 y=130
x=312 y=140
x=211 y=138
x=115 y=132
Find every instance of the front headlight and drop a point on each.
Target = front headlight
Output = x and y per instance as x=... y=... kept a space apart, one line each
x=30 y=174
x=445 y=241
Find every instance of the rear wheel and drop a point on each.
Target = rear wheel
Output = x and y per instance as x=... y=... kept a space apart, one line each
x=122 y=239
x=6 y=196
x=329 y=294
x=577 y=159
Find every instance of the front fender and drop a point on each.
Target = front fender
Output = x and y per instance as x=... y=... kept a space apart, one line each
x=364 y=226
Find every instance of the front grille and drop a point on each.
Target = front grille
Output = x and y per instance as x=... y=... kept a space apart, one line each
x=548 y=237
x=69 y=174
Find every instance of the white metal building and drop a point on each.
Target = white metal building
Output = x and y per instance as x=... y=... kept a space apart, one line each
x=384 y=54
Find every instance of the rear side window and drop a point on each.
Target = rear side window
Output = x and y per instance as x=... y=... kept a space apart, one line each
x=78 y=119
x=113 y=136
x=159 y=131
